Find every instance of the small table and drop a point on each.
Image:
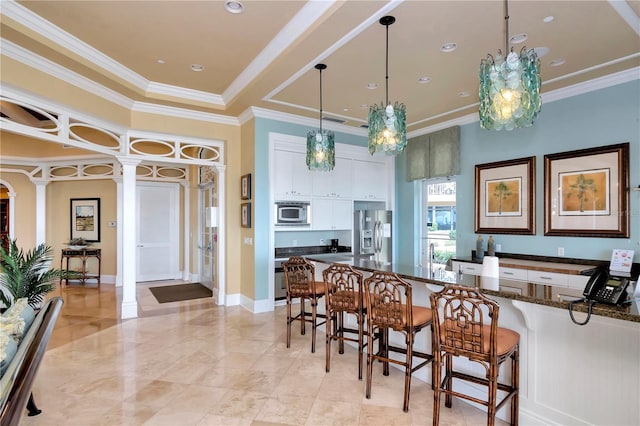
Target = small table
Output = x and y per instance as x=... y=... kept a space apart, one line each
x=83 y=255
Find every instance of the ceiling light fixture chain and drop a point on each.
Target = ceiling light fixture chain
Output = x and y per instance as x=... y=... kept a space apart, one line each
x=509 y=87
x=321 y=144
x=387 y=122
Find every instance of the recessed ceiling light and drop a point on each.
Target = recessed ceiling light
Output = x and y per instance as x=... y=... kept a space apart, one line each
x=197 y=67
x=233 y=6
x=548 y=19
x=372 y=86
x=160 y=61
x=519 y=38
x=448 y=47
x=463 y=94
x=345 y=109
x=557 y=62
x=363 y=106
x=425 y=79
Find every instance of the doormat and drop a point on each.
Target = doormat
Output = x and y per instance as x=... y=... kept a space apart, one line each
x=180 y=292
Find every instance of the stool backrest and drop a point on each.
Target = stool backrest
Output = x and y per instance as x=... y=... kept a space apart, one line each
x=343 y=288
x=465 y=322
x=388 y=301
x=299 y=276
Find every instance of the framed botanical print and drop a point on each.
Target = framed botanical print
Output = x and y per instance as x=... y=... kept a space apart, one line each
x=586 y=192
x=85 y=219
x=505 y=197
x=245 y=187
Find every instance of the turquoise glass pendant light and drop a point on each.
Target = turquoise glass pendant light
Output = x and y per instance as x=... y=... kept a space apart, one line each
x=321 y=146
x=387 y=122
x=509 y=87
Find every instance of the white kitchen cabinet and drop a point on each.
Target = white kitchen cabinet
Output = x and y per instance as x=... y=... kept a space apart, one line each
x=513 y=273
x=466 y=267
x=369 y=180
x=331 y=214
x=548 y=278
x=336 y=183
x=293 y=179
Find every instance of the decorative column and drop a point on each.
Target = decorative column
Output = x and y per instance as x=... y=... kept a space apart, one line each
x=186 y=269
x=41 y=209
x=129 y=232
x=118 y=181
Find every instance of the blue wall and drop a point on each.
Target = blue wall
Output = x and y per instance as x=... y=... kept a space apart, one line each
x=603 y=117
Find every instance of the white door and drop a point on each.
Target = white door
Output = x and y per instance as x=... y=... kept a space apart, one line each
x=158 y=230
x=208 y=237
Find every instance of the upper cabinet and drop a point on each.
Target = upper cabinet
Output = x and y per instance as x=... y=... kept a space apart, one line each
x=370 y=180
x=336 y=183
x=292 y=177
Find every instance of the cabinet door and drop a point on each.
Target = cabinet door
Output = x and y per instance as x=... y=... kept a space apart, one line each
x=342 y=212
x=342 y=178
x=301 y=178
x=283 y=173
x=466 y=268
x=369 y=180
x=321 y=215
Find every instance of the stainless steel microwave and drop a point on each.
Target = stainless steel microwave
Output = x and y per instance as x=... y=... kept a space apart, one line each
x=292 y=213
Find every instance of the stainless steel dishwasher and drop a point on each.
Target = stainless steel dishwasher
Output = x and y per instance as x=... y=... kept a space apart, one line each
x=280 y=289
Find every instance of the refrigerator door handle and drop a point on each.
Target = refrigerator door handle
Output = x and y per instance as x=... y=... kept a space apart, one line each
x=378 y=236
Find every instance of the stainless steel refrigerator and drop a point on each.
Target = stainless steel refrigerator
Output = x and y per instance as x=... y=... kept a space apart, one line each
x=372 y=235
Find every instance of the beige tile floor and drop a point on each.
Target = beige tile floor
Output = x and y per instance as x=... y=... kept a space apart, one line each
x=194 y=363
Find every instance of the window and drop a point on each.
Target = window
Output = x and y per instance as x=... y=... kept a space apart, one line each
x=438 y=221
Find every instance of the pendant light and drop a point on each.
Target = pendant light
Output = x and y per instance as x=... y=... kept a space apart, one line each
x=509 y=87
x=321 y=146
x=387 y=123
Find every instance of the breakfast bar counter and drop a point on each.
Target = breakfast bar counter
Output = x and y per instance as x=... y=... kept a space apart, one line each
x=569 y=374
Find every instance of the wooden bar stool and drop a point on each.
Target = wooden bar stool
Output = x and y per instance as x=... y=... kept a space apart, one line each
x=299 y=278
x=390 y=306
x=343 y=295
x=465 y=324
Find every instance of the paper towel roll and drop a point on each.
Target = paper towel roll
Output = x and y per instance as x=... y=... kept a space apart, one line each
x=490 y=267
x=490 y=283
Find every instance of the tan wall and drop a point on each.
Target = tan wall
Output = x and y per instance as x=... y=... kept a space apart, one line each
x=247 y=165
x=59 y=195
x=25 y=209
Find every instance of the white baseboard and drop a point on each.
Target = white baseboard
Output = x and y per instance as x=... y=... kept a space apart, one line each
x=233 y=299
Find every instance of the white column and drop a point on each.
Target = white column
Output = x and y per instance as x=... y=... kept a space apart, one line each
x=129 y=232
x=119 y=203
x=186 y=271
x=41 y=210
x=222 y=246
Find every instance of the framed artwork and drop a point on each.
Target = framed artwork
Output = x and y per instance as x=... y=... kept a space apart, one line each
x=586 y=192
x=505 y=197
x=85 y=219
x=245 y=187
x=245 y=215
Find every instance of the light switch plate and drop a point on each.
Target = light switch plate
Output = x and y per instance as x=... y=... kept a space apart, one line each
x=111 y=224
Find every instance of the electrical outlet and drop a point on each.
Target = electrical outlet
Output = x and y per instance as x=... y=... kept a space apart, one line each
x=560 y=251
x=248 y=241
x=322 y=241
x=111 y=224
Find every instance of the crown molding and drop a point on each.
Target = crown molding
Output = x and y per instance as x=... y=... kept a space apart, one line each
x=184 y=93
x=46 y=66
x=256 y=112
x=627 y=13
x=184 y=113
x=290 y=33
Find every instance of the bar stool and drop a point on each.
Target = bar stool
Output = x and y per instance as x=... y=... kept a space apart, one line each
x=299 y=278
x=466 y=324
x=390 y=306
x=343 y=295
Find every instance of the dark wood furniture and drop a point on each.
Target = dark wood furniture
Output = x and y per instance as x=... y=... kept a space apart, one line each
x=343 y=295
x=390 y=306
x=466 y=325
x=299 y=278
x=83 y=255
x=21 y=373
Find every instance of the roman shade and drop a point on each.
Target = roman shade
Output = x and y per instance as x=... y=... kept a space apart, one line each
x=434 y=155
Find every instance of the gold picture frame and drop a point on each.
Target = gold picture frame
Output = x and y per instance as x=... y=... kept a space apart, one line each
x=586 y=192
x=505 y=197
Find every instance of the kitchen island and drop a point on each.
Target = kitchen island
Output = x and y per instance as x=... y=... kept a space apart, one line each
x=569 y=374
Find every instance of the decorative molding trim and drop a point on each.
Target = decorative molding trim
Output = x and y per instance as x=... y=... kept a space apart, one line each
x=297 y=119
x=184 y=113
x=627 y=13
x=182 y=93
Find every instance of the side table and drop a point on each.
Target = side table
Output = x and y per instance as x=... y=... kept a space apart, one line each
x=82 y=254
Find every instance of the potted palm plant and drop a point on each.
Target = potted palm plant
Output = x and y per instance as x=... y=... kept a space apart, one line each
x=27 y=274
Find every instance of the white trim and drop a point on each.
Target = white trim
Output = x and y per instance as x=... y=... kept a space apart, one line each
x=234 y=299
x=189 y=114
x=11 y=193
x=256 y=306
x=298 y=119
x=182 y=93
x=627 y=13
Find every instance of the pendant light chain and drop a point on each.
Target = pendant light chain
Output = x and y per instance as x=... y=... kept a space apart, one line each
x=387 y=68
x=320 y=100
x=506 y=25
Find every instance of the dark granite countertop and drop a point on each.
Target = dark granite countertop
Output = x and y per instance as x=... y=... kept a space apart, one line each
x=557 y=297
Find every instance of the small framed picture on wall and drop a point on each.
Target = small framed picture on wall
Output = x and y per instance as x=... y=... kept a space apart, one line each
x=245 y=215
x=245 y=187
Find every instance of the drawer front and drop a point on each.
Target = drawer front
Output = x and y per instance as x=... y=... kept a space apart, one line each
x=513 y=274
x=578 y=282
x=548 y=278
x=467 y=268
